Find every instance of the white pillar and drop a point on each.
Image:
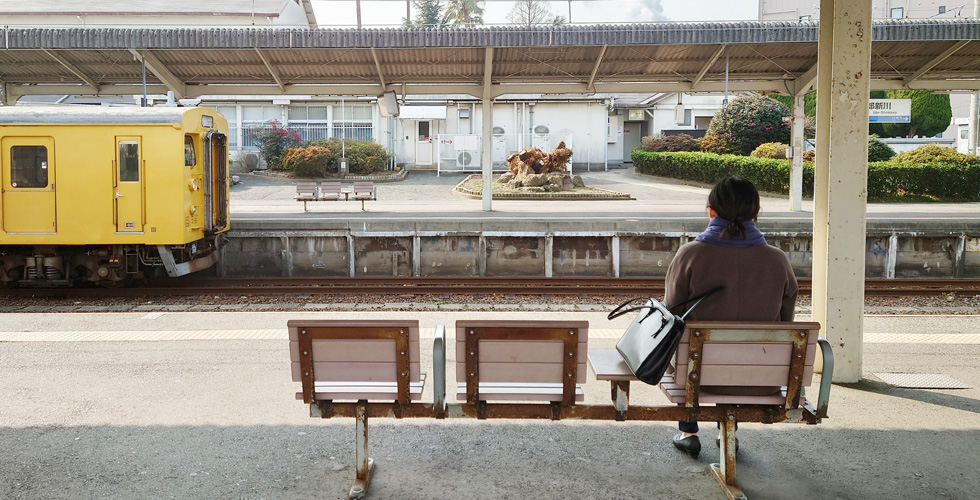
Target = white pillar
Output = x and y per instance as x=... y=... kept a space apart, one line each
x=486 y=140
x=796 y=174
x=840 y=191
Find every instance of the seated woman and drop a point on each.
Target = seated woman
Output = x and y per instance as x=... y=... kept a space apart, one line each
x=759 y=284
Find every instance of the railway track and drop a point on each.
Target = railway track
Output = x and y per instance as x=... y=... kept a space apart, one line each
x=455 y=285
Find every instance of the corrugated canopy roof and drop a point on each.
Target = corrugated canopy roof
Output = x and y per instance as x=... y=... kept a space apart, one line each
x=141 y=7
x=648 y=58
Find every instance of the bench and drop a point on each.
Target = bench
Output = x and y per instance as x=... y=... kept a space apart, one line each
x=734 y=366
x=314 y=191
x=364 y=191
x=536 y=369
x=360 y=361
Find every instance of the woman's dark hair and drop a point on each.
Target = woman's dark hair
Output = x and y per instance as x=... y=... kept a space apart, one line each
x=736 y=200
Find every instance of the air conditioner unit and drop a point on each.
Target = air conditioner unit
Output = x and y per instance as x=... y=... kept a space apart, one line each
x=464 y=158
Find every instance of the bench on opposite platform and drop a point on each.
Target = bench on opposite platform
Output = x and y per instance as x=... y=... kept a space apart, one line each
x=307 y=191
x=364 y=191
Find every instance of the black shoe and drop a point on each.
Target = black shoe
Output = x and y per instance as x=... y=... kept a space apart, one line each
x=718 y=443
x=690 y=444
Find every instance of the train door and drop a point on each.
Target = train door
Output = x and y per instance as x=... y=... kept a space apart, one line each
x=28 y=187
x=423 y=144
x=216 y=181
x=128 y=177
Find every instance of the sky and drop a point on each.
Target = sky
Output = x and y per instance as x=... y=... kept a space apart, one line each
x=389 y=13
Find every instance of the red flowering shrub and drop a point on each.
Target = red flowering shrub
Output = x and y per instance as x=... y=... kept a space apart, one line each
x=273 y=142
x=749 y=121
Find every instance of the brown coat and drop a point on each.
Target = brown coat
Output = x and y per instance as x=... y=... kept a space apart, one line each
x=759 y=282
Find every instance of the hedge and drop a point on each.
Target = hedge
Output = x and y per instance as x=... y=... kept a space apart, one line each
x=885 y=179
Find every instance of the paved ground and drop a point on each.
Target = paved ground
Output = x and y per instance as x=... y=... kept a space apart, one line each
x=112 y=406
x=422 y=194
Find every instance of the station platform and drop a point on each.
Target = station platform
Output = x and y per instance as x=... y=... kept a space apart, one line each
x=418 y=227
x=201 y=406
x=424 y=196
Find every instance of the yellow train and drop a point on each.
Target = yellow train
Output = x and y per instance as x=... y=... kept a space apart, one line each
x=93 y=194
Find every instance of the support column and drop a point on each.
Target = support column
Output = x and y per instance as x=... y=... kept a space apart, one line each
x=840 y=184
x=486 y=140
x=796 y=174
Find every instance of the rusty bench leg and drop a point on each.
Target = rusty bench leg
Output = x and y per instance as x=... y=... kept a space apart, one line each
x=725 y=471
x=365 y=465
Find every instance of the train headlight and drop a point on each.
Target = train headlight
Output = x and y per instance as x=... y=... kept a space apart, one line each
x=193 y=248
x=193 y=210
x=193 y=185
x=207 y=121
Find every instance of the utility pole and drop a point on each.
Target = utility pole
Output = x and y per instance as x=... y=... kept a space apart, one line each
x=974 y=103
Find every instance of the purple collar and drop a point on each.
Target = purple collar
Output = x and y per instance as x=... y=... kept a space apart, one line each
x=713 y=235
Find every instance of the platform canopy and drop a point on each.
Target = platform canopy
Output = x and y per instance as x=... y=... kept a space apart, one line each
x=939 y=55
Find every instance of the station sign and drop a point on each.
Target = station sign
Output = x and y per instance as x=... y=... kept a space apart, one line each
x=889 y=110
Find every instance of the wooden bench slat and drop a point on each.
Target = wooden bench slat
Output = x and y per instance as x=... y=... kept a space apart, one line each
x=677 y=394
x=363 y=390
x=363 y=350
x=349 y=371
x=519 y=392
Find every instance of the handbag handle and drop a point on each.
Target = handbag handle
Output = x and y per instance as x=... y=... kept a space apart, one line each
x=619 y=310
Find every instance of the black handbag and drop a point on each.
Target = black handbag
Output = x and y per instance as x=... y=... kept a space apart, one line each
x=651 y=340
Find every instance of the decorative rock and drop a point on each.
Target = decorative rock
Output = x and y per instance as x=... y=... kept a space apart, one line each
x=551 y=188
x=555 y=178
x=534 y=189
x=577 y=181
x=514 y=183
x=505 y=178
x=534 y=180
x=567 y=184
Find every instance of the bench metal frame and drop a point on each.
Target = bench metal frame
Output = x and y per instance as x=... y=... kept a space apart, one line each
x=727 y=415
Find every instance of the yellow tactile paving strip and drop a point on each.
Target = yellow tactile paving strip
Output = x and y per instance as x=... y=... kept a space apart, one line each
x=282 y=334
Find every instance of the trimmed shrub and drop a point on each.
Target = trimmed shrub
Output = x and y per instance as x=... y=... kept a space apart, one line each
x=311 y=161
x=774 y=150
x=363 y=157
x=933 y=153
x=886 y=180
x=878 y=150
x=751 y=120
x=715 y=143
x=678 y=142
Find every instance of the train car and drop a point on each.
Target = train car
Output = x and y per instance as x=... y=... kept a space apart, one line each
x=103 y=195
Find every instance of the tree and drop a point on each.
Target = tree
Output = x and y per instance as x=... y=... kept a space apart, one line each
x=749 y=121
x=464 y=13
x=428 y=15
x=530 y=13
x=931 y=114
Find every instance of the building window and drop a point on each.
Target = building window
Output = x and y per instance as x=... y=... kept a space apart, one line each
x=965 y=133
x=804 y=19
x=687 y=118
x=942 y=9
x=353 y=122
x=231 y=114
x=258 y=118
x=898 y=13
x=310 y=122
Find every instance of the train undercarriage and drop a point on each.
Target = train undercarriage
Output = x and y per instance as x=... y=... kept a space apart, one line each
x=102 y=265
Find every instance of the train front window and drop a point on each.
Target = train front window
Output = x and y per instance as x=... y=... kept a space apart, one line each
x=190 y=158
x=28 y=166
x=129 y=161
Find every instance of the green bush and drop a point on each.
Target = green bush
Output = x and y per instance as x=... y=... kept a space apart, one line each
x=933 y=153
x=878 y=150
x=774 y=150
x=678 y=142
x=886 y=180
x=363 y=157
x=751 y=120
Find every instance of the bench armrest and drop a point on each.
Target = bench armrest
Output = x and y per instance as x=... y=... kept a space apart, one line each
x=439 y=370
x=826 y=377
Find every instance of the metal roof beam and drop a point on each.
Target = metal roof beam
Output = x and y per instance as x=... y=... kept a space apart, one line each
x=595 y=67
x=487 y=72
x=377 y=64
x=272 y=71
x=704 y=69
x=161 y=72
x=936 y=60
x=803 y=83
x=71 y=67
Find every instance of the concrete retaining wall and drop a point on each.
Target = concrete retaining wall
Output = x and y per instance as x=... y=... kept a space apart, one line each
x=549 y=249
